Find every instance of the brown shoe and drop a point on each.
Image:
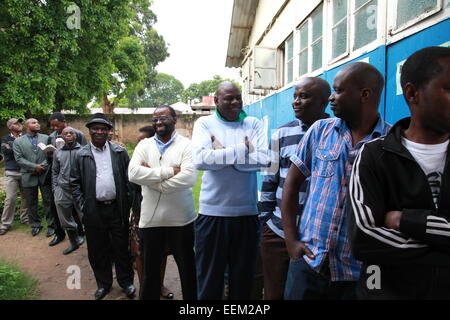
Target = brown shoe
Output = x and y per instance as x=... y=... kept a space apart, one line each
x=3 y=231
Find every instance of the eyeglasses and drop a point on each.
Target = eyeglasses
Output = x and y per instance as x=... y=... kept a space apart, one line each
x=155 y=120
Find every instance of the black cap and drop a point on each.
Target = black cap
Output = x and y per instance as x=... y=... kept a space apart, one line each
x=99 y=118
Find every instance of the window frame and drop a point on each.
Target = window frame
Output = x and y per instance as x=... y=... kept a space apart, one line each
x=286 y=61
x=321 y=38
x=309 y=22
x=353 y=24
x=393 y=29
x=333 y=25
x=307 y=49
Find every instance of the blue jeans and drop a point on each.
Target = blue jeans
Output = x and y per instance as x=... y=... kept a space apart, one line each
x=304 y=283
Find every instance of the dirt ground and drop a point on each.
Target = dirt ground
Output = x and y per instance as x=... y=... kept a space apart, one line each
x=49 y=266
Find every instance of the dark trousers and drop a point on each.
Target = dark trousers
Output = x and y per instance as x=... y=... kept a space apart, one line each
x=275 y=260
x=221 y=242
x=404 y=282
x=180 y=241
x=108 y=244
x=304 y=283
x=31 y=196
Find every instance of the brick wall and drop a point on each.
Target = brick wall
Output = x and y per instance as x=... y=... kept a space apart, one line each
x=126 y=126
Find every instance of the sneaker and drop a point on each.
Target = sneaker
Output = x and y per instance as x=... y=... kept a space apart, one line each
x=3 y=231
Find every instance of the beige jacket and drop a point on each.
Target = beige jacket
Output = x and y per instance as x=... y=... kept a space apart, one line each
x=167 y=198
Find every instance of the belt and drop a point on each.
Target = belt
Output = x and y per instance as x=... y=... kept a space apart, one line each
x=106 y=202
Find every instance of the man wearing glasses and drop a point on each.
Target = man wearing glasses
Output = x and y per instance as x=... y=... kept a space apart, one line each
x=163 y=166
x=101 y=188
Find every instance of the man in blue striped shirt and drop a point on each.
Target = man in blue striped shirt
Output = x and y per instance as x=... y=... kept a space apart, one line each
x=310 y=99
x=322 y=265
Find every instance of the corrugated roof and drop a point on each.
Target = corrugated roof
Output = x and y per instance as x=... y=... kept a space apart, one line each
x=241 y=26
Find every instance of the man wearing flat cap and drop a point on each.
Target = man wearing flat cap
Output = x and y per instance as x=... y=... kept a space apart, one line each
x=101 y=188
x=12 y=177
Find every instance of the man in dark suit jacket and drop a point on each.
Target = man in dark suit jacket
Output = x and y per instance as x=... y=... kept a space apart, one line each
x=33 y=168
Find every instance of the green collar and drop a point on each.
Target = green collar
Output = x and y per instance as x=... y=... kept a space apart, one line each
x=241 y=117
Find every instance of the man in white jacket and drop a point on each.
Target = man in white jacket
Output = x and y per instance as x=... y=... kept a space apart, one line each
x=162 y=165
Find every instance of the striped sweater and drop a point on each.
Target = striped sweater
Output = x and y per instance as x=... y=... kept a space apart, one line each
x=283 y=145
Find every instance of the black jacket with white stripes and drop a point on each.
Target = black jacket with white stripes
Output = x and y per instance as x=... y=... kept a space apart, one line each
x=386 y=177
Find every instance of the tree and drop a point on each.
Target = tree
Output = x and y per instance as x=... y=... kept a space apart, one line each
x=45 y=65
x=137 y=70
x=164 y=89
x=196 y=91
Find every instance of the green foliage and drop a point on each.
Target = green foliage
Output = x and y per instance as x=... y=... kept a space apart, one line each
x=16 y=285
x=165 y=89
x=196 y=91
x=45 y=66
x=130 y=148
x=131 y=67
x=196 y=190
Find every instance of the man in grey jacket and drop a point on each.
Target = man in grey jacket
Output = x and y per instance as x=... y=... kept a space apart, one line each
x=66 y=207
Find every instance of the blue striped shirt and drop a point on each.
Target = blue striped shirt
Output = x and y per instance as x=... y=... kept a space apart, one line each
x=326 y=154
x=284 y=142
x=162 y=147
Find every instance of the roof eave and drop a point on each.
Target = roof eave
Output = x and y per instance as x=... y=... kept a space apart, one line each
x=242 y=20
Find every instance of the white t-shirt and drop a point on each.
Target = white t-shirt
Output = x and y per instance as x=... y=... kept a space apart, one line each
x=431 y=158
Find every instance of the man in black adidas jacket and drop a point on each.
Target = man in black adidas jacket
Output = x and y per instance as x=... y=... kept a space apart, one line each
x=400 y=191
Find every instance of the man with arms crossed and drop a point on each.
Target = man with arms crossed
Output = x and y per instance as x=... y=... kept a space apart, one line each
x=400 y=191
x=162 y=165
x=230 y=147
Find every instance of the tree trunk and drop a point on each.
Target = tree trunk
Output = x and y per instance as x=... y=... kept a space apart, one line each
x=107 y=105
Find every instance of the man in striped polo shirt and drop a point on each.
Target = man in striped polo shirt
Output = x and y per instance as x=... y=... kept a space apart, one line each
x=310 y=99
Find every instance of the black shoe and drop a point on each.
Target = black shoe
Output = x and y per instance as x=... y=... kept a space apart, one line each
x=130 y=291
x=35 y=230
x=80 y=240
x=74 y=242
x=57 y=239
x=101 y=293
x=50 y=232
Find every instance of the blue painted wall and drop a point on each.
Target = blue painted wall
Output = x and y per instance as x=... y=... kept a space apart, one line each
x=396 y=107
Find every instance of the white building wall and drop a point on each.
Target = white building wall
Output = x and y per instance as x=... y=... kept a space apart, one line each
x=295 y=12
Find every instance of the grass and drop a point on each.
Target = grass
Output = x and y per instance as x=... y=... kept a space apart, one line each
x=196 y=190
x=16 y=284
